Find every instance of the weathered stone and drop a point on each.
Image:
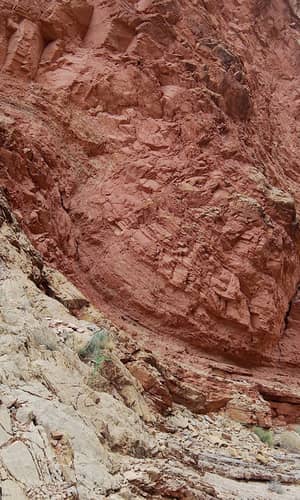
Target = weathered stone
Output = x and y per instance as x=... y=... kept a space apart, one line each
x=203 y=242
x=288 y=440
x=4 y=436
x=249 y=410
x=19 y=462
x=11 y=489
x=5 y=420
x=165 y=184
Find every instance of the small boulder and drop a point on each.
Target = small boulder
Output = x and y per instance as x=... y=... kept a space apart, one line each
x=289 y=440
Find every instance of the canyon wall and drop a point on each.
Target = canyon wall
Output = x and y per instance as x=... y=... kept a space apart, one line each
x=150 y=151
x=150 y=314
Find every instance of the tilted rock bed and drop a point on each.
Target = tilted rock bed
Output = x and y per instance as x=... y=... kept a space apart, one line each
x=67 y=431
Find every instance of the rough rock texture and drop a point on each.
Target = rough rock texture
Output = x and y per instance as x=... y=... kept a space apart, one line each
x=72 y=427
x=150 y=151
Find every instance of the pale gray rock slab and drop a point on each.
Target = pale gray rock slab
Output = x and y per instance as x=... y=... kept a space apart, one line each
x=12 y=490
x=18 y=460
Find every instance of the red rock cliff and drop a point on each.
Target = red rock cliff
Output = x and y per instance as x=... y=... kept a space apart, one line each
x=151 y=150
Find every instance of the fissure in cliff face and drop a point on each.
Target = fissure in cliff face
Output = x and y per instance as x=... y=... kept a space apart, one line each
x=151 y=151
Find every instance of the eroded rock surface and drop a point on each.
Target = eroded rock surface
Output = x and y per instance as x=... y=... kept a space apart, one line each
x=76 y=426
x=149 y=151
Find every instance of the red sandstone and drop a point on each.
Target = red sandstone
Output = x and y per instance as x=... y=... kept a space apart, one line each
x=151 y=151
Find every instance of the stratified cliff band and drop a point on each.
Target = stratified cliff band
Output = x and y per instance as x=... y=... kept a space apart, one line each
x=151 y=151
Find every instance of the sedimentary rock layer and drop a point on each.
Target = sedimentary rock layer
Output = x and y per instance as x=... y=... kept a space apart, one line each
x=150 y=150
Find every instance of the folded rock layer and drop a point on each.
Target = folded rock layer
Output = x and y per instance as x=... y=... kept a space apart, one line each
x=150 y=317
x=150 y=150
